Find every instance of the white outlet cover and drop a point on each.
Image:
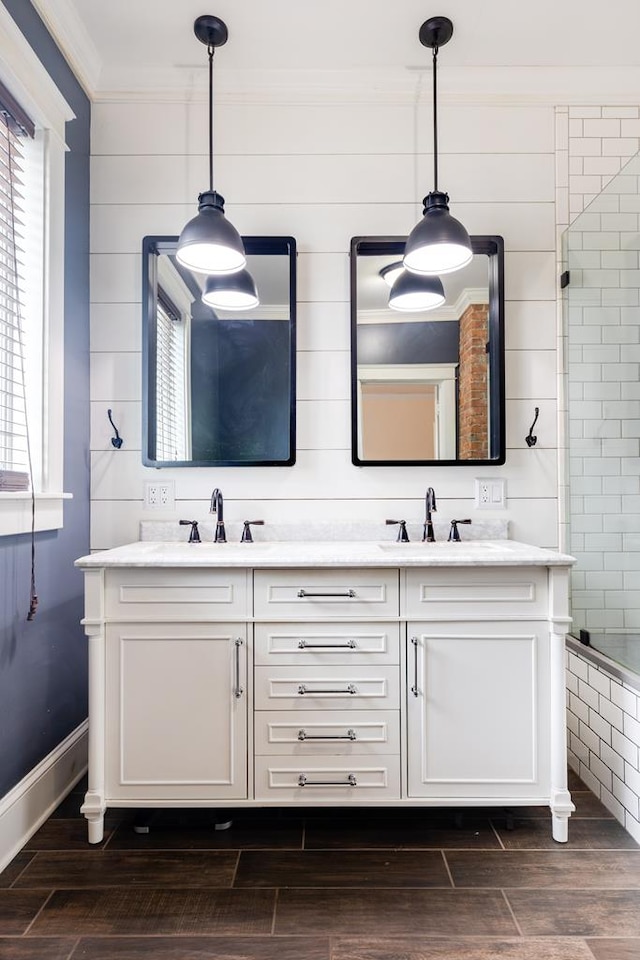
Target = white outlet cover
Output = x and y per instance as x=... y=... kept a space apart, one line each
x=490 y=493
x=159 y=495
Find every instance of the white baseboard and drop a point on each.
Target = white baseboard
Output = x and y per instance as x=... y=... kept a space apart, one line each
x=25 y=808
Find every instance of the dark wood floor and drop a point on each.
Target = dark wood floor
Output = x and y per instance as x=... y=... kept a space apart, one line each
x=326 y=885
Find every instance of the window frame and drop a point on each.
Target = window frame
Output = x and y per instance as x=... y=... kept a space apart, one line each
x=29 y=82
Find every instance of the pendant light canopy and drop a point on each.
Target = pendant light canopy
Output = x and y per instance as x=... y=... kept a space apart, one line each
x=235 y=291
x=209 y=243
x=438 y=243
x=412 y=292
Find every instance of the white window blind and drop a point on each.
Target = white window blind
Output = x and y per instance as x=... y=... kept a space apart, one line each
x=14 y=451
x=171 y=433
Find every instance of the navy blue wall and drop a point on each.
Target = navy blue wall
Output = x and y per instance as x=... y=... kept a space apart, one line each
x=43 y=663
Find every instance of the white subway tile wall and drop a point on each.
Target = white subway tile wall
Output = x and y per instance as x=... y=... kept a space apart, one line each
x=602 y=351
x=323 y=173
x=603 y=738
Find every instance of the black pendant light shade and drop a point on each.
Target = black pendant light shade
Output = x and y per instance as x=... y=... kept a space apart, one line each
x=438 y=243
x=209 y=243
x=413 y=292
x=391 y=272
x=231 y=292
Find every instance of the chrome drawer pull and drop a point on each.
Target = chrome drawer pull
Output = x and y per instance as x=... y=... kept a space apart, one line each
x=340 y=593
x=349 y=782
x=238 y=691
x=303 y=688
x=414 y=688
x=305 y=645
x=349 y=735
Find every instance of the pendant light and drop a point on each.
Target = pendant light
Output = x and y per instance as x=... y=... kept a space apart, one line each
x=235 y=291
x=209 y=243
x=413 y=291
x=438 y=243
x=391 y=272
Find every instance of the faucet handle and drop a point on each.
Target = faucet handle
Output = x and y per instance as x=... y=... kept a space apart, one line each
x=194 y=533
x=246 y=530
x=454 y=533
x=403 y=536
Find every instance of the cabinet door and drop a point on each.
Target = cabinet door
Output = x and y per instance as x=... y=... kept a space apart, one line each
x=478 y=710
x=176 y=711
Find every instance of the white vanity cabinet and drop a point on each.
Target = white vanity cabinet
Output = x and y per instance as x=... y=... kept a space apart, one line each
x=327 y=686
x=225 y=677
x=176 y=711
x=168 y=688
x=478 y=710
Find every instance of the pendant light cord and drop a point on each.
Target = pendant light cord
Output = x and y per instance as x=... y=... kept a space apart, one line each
x=211 y=51
x=435 y=119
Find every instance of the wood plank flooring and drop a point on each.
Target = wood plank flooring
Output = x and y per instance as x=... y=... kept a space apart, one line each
x=326 y=885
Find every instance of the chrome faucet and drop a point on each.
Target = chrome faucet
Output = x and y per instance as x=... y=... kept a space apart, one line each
x=428 y=535
x=217 y=507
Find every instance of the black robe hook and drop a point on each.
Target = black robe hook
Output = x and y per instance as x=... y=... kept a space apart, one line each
x=116 y=441
x=531 y=440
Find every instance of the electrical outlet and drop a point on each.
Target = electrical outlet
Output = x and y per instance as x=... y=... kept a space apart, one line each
x=159 y=495
x=490 y=494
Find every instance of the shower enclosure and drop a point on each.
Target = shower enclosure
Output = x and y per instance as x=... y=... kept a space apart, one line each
x=602 y=365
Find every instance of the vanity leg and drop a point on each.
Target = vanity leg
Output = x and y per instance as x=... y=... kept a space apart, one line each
x=94 y=809
x=561 y=809
x=560 y=828
x=94 y=806
x=95 y=827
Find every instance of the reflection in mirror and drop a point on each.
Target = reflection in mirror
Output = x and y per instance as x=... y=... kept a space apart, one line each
x=218 y=384
x=427 y=386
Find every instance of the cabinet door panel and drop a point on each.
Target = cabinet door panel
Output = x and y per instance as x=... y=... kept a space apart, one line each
x=478 y=714
x=177 y=728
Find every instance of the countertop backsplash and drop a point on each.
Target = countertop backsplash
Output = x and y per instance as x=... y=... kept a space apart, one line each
x=170 y=531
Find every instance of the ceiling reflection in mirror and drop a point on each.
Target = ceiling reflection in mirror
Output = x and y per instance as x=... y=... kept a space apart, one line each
x=219 y=383
x=427 y=385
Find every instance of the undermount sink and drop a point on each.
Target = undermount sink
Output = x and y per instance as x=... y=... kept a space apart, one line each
x=234 y=547
x=422 y=547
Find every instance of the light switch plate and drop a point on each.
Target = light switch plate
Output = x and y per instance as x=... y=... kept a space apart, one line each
x=490 y=493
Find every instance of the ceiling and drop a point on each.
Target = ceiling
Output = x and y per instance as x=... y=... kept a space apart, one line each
x=569 y=47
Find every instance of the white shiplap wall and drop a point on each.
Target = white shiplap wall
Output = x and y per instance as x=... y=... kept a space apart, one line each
x=323 y=172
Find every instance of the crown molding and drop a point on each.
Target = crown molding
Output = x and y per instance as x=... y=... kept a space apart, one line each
x=544 y=86
x=448 y=311
x=69 y=33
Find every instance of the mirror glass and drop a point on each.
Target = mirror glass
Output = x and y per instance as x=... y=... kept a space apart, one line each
x=427 y=386
x=218 y=385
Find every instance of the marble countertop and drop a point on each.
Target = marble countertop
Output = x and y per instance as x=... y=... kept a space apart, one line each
x=326 y=553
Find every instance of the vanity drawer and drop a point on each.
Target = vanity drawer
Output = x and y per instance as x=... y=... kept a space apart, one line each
x=318 y=643
x=331 y=688
x=331 y=779
x=283 y=594
x=465 y=593
x=322 y=733
x=170 y=594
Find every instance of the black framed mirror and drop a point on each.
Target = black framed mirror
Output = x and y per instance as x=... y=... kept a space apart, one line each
x=427 y=386
x=218 y=386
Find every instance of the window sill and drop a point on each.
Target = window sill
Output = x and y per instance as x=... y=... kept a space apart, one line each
x=15 y=512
